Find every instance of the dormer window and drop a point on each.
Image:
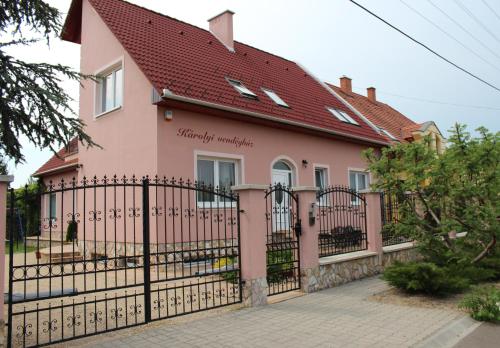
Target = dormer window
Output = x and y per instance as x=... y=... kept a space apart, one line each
x=240 y=87
x=342 y=116
x=387 y=134
x=109 y=90
x=275 y=98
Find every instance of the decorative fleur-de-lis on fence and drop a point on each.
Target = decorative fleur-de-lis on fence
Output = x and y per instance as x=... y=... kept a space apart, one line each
x=50 y=223
x=51 y=325
x=268 y=216
x=73 y=217
x=190 y=298
x=24 y=330
x=95 y=317
x=158 y=304
x=234 y=290
x=175 y=301
x=220 y=293
x=73 y=320
x=204 y=214
x=115 y=213
x=173 y=211
x=134 y=212
x=188 y=213
x=94 y=215
x=116 y=313
x=218 y=217
x=206 y=295
x=135 y=309
x=157 y=211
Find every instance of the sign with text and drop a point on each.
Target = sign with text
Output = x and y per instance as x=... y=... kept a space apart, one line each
x=207 y=138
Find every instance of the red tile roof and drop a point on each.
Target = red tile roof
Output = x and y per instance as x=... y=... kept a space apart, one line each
x=58 y=163
x=381 y=114
x=191 y=62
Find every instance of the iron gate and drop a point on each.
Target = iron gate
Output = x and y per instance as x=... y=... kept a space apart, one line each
x=283 y=232
x=101 y=255
x=342 y=221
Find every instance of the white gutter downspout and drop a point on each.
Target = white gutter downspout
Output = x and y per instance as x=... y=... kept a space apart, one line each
x=167 y=94
x=345 y=102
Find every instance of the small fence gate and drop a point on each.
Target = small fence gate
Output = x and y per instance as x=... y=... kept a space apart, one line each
x=342 y=221
x=283 y=232
x=102 y=255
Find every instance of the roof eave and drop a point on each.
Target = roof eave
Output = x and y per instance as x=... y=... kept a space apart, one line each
x=169 y=95
x=71 y=30
x=60 y=169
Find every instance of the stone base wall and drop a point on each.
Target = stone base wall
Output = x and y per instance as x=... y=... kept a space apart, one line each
x=343 y=271
x=255 y=292
x=404 y=255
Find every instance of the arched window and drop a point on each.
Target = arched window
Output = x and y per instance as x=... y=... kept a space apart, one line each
x=280 y=165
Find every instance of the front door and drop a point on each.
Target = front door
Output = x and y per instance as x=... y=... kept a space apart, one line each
x=280 y=201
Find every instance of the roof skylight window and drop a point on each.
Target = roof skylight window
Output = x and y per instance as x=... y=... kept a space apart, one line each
x=275 y=98
x=244 y=91
x=386 y=133
x=342 y=116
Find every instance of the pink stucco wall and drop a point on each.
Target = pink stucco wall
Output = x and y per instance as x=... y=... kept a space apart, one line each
x=177 y=153
x=136 y=139
x=127 y=135
x=66 y=203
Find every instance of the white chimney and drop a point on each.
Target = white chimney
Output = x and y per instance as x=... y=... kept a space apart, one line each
x=221 y=26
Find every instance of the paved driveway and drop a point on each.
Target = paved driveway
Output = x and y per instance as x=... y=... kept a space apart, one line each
x=339 y=317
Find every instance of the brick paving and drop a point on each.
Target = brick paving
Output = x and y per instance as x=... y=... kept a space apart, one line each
x=338 y=317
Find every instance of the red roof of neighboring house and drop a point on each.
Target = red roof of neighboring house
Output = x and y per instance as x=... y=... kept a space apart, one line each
x=58 y=163
x=381 y=114
x=191 y=62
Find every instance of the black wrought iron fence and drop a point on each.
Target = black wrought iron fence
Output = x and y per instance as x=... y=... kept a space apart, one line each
x=342 y=221
x=111 y=253
x=391 y=213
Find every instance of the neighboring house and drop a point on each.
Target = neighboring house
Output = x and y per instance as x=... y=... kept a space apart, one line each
x=393 y=125
x=177 y=100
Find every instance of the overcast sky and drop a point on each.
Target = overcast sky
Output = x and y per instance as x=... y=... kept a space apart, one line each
x=334 y=38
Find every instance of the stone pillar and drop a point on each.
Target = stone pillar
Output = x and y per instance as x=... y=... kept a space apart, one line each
x=253 y=243
x=309 y=252
x=373 y=221
x=4 y=184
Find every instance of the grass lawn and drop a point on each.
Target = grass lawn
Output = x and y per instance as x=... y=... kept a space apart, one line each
x=19 y=248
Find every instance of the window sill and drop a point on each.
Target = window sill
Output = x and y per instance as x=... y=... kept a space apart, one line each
x=102 y=114
x=346 y=257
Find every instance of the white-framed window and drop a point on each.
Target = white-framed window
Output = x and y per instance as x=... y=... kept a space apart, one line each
x=275 y=97
x=52 y=206
x=320 y=178
x=109 y=90
x=321 y=182
x=389 y=135
x=216 y=172
x=342 y=116
x=242 y=89
x=358 y=181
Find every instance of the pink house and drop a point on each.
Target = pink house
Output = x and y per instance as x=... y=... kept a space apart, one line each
x=267 y=166
x=177 y=100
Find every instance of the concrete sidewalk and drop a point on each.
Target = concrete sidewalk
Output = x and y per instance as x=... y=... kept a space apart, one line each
x=339 y=317
x=485 y=336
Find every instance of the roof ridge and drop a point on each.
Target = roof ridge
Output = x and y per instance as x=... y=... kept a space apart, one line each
x=377 y=102
x=200 y=28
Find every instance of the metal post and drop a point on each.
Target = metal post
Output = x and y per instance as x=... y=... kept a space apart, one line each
x=146 y=249
x=11 y=267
